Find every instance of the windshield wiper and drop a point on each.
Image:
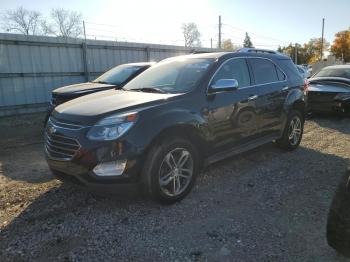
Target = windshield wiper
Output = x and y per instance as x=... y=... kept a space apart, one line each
x=148 y=89
x=101 y=82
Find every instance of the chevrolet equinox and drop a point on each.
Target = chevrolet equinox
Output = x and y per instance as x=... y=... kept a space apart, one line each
x=175 y=118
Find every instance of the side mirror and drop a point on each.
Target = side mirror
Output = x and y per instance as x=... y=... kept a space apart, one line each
x=224 y=85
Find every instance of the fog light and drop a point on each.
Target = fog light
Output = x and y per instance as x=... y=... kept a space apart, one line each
x=113 y=168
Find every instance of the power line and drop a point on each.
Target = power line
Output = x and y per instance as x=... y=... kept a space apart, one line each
x=228 y=36
x=93 y=23
x=258 y=35
x=102 y=30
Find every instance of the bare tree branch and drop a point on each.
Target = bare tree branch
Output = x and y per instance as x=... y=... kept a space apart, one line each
x=191 y=34
x=22 y=20
x=46 y=28
x=65 y=23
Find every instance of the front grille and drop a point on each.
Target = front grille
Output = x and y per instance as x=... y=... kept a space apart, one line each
x=61 y=147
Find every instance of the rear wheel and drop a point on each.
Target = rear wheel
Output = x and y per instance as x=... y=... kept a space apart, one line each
x=293 y=131
x=170 y=170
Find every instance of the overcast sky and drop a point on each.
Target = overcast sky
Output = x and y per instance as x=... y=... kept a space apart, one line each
x=270 y=23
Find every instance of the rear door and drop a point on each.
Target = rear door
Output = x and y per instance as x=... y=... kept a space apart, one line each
x=272 y=91
x=231 y=114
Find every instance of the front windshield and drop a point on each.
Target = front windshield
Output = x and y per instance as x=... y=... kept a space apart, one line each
x=172 y=75
x=334 y=72
x=117 y=75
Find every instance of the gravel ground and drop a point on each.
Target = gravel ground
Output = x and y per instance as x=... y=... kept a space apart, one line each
x=264 y=205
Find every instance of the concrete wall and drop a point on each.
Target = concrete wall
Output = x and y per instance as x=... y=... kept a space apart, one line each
x=32 y=66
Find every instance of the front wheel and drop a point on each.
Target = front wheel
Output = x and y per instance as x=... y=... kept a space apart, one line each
x=293 y=131
x=170 y=170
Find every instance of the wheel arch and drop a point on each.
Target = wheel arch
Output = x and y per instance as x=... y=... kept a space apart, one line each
x=186 y=131
x=296 y=100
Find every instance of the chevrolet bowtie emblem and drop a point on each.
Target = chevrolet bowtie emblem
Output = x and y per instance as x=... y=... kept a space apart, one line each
x=51 y=130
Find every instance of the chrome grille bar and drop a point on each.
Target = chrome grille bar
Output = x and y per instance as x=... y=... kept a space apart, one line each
x=60 y=147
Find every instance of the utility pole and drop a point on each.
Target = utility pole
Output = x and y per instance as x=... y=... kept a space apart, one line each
x=211 y=42
x=322 y=38
x=84 y=31
x=219 y=32
x=296 y=54
x=85 y=55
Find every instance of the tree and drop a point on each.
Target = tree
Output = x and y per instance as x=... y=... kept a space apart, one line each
x=313 y=49
x=191 y=34
x=247 y=42
x=227 y=45
x=65 y=23
x=46 y=28
x=341 y=45
x=22 y=20
x=309 y=53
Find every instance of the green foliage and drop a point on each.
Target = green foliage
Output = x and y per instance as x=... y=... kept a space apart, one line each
x=341 y=45
x=247 y=42
x=309 y=53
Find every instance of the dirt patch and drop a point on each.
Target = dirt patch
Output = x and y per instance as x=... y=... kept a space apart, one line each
x=264 y=205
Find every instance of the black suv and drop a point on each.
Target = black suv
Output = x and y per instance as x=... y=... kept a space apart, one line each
x=172 y=120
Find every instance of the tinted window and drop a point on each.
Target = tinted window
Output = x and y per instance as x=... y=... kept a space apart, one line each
x=117 y=75
x=264 y=71
x=234 y=69
x=280 y=74
x=290 y=68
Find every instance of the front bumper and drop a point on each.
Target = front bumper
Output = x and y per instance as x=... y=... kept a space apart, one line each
x=81 y=173
x=79 y=167
x=49 y=110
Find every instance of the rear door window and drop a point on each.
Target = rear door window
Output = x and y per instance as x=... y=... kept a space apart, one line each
x=264 y=71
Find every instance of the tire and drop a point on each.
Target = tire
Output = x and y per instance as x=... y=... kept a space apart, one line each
x=338 y=223
x=286 y=142
x=164 y=179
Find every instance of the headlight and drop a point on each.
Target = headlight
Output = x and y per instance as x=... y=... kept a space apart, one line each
x=112 y=127
x=342 y=96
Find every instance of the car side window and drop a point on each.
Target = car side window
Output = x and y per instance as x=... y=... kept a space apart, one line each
x=234 y=69
x=264 y=71
x=280 y=74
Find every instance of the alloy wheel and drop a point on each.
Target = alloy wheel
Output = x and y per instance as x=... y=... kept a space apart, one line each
x=294 y=132
x=175 y=173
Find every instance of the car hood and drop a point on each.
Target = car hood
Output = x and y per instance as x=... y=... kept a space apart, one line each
x=81 y=88
x=87 y=109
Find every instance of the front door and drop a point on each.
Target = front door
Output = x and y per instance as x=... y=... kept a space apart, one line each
x=231 y=114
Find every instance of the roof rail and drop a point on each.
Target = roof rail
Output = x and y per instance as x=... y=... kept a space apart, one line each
x=201 y=52
x=256 y=50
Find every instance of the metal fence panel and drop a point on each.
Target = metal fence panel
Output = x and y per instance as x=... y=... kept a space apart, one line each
x=32 y=66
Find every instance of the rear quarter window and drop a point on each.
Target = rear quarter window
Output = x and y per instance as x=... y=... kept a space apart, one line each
x=264 y=71
x=280 y=74
x=289 y=68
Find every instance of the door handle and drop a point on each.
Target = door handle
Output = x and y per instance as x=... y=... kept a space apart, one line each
x=253 y=97
x=285 y=88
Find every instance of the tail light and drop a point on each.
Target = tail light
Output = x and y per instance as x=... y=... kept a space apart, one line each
x=306 y=86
